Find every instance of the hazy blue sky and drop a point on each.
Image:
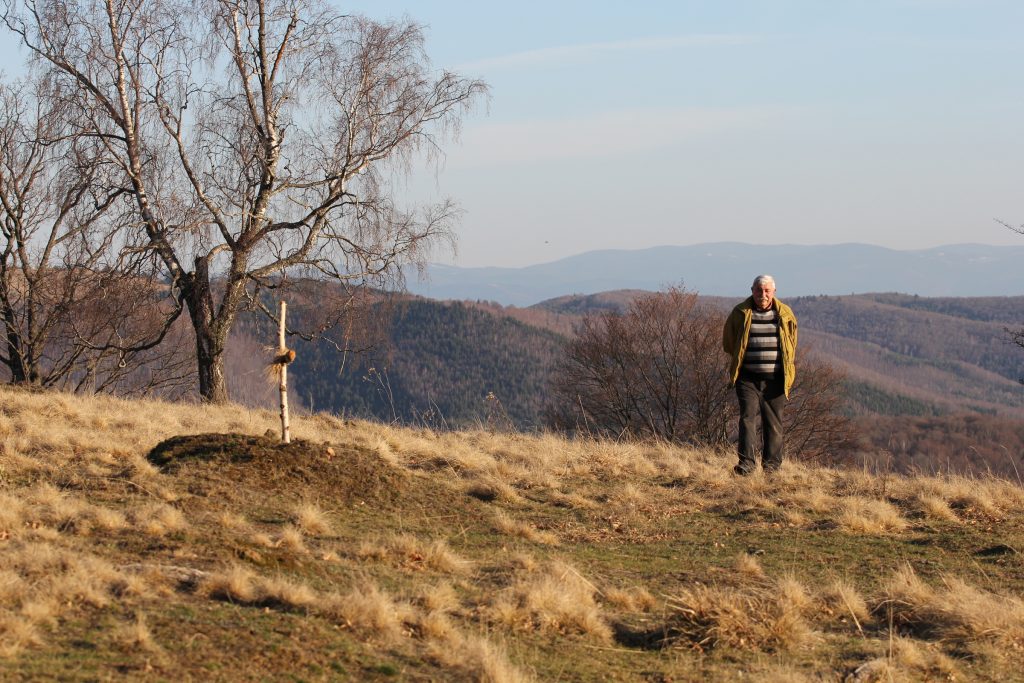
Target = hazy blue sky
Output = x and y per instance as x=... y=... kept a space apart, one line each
x=635 y=124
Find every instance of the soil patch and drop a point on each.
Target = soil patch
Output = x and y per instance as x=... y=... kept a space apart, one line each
x=347 y=473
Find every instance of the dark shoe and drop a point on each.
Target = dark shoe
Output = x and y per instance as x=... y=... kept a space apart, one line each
x=739 y=471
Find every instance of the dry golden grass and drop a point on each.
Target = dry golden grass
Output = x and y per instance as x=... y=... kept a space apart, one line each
x=489 y=487
x=435 y=626
x=235 y=584
x=17 y=633
x=160 y=519
x=12 y=585
x=232 y=521
x=241 y=585
x=477 y=656
x=793 y=595
x=41 y=610
x=748 y=566
x=935 y=507
x=841 y=599
x=746 y=618
x=135 y=635
x=520 y=529
x=955 y=612
x=285 y=593
x=440 y=597
x=870 y=516
x=410 y=552
x=72 y=466
x=12 y=515
x=370 y=610
x=633 y=599
x=290 y=538
x=106 y=519
x=263 y=540
x=312 y=520
x=556 y=600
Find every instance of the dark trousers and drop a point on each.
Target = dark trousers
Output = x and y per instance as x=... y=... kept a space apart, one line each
x=761 y=399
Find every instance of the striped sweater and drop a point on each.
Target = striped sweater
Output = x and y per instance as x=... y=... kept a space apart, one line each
x=762 y=357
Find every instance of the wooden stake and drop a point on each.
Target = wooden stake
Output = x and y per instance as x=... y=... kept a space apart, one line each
x=285 y=436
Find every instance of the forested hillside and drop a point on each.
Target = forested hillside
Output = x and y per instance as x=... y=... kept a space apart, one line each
x=439 y=364
x=903 y=355
x=925 y=377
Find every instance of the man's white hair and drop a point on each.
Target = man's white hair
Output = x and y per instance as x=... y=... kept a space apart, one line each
x=766 y=279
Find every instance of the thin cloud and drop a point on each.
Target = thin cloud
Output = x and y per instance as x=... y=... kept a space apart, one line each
x=621 y=133
x=575 y=54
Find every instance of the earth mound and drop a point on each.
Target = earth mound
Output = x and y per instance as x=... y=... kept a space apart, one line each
x=346 y=472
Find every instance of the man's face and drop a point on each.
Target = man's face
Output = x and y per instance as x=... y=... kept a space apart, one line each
x=764 y=294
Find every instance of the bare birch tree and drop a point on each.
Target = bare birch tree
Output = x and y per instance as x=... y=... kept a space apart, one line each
x=255 y=138
x=75 y=312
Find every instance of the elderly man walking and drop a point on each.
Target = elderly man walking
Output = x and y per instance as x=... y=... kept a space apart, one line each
x=760 y=338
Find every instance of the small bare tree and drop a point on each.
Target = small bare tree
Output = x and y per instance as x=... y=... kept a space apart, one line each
x=815 y=423
x=255 y=138
x=76 y=312
x=655 y=370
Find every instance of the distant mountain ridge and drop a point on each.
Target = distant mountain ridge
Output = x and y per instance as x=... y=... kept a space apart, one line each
x=725 y=268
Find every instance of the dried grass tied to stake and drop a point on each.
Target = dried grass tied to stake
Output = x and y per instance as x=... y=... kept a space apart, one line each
x=278 y=369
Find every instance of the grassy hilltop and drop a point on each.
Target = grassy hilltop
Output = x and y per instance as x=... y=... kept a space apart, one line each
x=173 y=542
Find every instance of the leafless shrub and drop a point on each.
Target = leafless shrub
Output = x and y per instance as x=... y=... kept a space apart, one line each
x=656 y=370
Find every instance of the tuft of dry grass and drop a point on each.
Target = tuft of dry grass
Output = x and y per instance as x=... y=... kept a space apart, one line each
x=370 y=610
x=410 y=552
x=793 y=595
x=286 y=593
x=479 y=657
x=160 y=519
x=40 y=609
x=440 y=597
x=524 y=530
x=557 y=600
x=634 y=599
x=232 y=521
x=136 y=636
x=934 y=507
x=241 y=585
x=748 y=566
x=107 y=519
x=956 y=612
x=841 y=599
x=870 y=516
x=12 y=515
x=291 y=539
x=17 y=633
x=713 y=616
x=235 y=584
x=311 y=519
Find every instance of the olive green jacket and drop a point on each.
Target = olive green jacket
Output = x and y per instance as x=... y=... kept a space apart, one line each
x=737 y=327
